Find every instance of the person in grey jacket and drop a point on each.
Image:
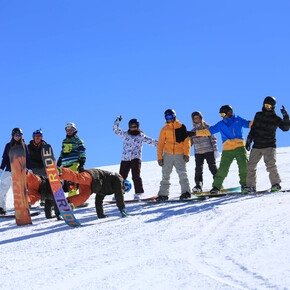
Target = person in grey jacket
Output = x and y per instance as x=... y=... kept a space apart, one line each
x=205 y=148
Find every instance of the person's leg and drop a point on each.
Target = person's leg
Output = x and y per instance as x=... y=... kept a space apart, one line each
x=166 y=171
x=5 y=184
x=210 y=159
x=270 y=161
x=136 y=171
x=125 y=167
x=255 y=157
x=226 y=161
x=199 y=160
x=83 y=178
x=242 y=161
x=180 y=166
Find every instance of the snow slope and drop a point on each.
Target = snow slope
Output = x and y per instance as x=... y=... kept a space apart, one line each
x=239 y=242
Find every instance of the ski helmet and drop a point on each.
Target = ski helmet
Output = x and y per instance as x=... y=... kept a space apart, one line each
x=16 y=131
x=127 y=185
x=197 y=113
x=70 y=125
x=170 y=112
x=134 y=122
x=271 y=101
x=227 y=109
x=37 y=133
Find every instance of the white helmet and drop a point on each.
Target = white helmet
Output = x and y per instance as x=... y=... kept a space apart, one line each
x=70 y=125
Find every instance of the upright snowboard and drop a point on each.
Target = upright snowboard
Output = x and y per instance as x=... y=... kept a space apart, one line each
x=58 y=193
x=17 y=156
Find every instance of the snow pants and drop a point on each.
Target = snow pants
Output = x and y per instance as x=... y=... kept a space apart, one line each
x=199 y=161
x=227 y=158
x=5 y=184
x=170 y=161
x=135 y=166
x=269 y=155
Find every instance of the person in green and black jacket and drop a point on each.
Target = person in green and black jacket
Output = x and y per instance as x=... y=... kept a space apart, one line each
x=73 y=153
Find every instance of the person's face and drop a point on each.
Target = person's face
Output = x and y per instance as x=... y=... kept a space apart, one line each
x=196 y=119
x=37 y=139
x=169 y=119
x=225 y=116
x=133 y=127
x=70 y=131
x=17 y=137
x=268 y=107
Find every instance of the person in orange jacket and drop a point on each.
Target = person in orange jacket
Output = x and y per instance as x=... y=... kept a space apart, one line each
x=173 y=150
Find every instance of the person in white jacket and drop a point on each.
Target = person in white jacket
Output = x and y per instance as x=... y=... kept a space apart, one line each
x=132 y=152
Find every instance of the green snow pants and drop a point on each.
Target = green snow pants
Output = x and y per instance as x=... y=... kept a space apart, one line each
x=227 y=158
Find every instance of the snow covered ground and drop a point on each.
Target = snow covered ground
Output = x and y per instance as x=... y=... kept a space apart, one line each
x=239 y=242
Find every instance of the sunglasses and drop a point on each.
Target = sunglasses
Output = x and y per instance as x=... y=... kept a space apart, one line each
x=169 y=117
x=69 y=130
x=268 y=106
x=134 y=126
x=223 y=114
x=37 y=135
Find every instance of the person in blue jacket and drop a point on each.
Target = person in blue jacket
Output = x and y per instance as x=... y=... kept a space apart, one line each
x=6 y=180
x=231 y=129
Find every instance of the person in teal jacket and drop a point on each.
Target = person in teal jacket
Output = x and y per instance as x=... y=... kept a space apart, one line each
x=231 y=129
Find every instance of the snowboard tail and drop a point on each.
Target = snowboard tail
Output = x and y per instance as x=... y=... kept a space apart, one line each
x=17 y=157
x=58 y=193
x=133 y=200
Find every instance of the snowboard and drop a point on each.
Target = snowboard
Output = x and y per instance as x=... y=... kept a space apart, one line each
x=133 y=200
x=13 y=215
x=58 y=193
x=222 y=192
x=17 y=156
x=175 y=200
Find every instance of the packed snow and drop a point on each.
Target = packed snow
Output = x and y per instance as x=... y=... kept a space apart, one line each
x=233 y=242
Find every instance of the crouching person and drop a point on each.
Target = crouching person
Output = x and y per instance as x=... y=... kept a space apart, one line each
x=97 y=181
x=38 y=188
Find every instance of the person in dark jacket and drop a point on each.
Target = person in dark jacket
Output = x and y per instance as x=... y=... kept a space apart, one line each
x=97 y=181
x=34 y=147
x=6 y=180
x=263 y=133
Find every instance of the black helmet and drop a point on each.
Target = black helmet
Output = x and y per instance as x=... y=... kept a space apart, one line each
x=197 y=113
x=37 y=133
x=170 y=112
x=134 y=122
x=227 y=109
x=16 y=131
x=270 y=100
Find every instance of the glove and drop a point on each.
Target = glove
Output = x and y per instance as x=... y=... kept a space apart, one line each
x=59 y=161
x=161 y=162
x=185 y=158
x=119 y=118
x=284 y=112
x=216 y=154
x=248 y=145
x=191 y=133
x=81 y=166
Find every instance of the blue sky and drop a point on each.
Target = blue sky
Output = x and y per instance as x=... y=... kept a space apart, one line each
x=88 y=61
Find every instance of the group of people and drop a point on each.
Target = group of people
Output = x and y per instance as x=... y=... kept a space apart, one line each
x=173 y=150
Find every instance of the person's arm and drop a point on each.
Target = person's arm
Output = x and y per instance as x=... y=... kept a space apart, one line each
x=150 y=141
x=285 y=123
x=117 y=130
x=161 y=144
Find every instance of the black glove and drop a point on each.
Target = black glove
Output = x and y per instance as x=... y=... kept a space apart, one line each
x=284 y=112
x=119 y=118
x=161 y=162
x=81 y=166
x=191 y=133
x=185 y=158
x=248 y=144
x=59 y=161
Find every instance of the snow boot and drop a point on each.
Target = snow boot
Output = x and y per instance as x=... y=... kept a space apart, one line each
x=161 y=198
x=276 y=187
x=2 y=211
x=197 y=189
x=214 y=190
x=248 y=189
x=185 y=195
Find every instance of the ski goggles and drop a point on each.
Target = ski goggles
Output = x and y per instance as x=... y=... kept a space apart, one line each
x=17 y=135
x=169 y=117
x=37 y=135
x=268 y=106
x=69 y=129
x=223 y=114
